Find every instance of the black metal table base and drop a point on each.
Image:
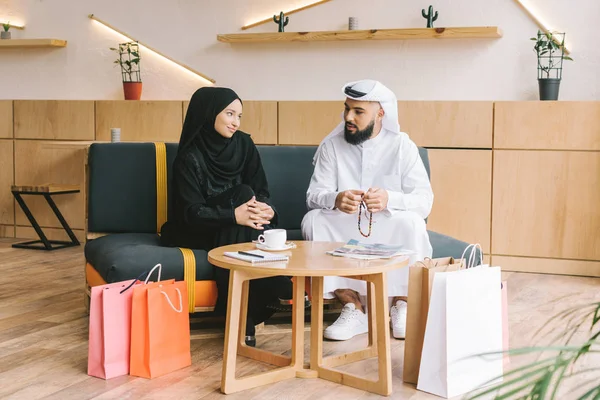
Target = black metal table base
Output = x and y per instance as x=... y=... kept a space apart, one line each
x=44 y=243
x=49 y=245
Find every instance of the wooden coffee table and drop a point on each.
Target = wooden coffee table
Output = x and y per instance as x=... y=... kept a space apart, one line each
x=309 y=259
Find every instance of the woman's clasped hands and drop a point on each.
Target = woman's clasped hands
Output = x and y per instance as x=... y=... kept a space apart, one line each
x=254 y=214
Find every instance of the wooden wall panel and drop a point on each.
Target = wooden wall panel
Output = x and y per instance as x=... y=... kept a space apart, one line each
x=37 y=162
x=7 y=231
x=6 y=119
x=462 y=189
x=567 y=125
x=54 y=119
x=465 y=124
x=140 y=121
x=186 y=104
x=545 y=204
x=259 y=119
x=428 y=123
x=308 y=122
x=7 y=211
x=547 y=266
x=27 y=232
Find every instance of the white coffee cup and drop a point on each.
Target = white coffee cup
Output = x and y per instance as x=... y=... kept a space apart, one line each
x=273 y=238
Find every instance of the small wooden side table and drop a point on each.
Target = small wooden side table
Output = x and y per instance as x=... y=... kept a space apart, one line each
x=309 y=259
x=47 y=191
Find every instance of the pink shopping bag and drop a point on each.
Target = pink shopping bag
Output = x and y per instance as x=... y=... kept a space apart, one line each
x=110 y=329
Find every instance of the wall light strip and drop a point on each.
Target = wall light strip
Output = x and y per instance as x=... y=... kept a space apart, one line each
x=264 y=21
x=543 y=27
x=14 y=26
x=92 y=16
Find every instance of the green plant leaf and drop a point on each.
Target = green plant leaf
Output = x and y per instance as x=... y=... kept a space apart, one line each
x=558 y=381
x=595 y=391
x=544 y=377
x=517 y=377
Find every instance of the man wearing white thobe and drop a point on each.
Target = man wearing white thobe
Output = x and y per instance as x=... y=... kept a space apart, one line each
x=367 y=159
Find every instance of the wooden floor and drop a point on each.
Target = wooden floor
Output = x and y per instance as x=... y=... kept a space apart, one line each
x=44 y=331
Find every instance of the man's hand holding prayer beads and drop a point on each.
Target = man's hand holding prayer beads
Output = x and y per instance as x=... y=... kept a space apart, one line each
x=376 y=199
x=348 y=201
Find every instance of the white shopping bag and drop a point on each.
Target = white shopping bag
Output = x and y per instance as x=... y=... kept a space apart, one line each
x=464 y=321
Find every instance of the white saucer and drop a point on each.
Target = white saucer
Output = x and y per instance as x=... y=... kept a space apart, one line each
x=288 y=245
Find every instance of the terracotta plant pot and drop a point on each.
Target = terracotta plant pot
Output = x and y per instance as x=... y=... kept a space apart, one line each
x=132 y=90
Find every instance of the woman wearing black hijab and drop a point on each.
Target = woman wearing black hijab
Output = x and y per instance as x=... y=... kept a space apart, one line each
x=220 y=195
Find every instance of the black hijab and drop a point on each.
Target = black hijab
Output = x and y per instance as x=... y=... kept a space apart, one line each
x=222 y=158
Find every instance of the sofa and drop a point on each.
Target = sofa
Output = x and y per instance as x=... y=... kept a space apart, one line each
x=128 y=200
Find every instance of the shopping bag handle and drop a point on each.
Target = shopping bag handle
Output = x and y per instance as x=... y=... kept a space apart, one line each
x=159 y=266
x=422 y=262
x=133 y=283
x=171 y=304
x=471 y=260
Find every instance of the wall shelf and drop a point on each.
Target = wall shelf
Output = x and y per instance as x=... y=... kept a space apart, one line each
x=482 y=32
x=31 y=43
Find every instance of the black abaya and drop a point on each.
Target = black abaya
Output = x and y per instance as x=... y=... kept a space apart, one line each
x=212 y=175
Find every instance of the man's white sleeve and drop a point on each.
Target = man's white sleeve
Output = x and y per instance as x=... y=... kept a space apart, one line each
x=322 y=190
x=416 y=194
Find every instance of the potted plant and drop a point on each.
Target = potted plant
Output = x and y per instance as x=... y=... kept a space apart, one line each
x=550 y=50
x=5 y=34
x=129 y=60
x=564 y=364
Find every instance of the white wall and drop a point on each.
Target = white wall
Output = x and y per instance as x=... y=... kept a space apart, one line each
x=475 y=69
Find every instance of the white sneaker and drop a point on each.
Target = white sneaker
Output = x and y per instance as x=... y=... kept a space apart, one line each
x=398 y=319
x=350 y=323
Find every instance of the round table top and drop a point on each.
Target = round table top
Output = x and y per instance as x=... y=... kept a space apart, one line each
x=307 y=259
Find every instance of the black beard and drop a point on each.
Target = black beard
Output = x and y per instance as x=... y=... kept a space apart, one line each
x=360 y=136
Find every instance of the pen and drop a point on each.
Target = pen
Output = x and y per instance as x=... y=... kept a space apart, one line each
x=250 y=254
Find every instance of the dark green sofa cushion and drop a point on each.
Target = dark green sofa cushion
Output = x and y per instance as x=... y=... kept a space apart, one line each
x=122 y=188
x=446 y=246
x=288 y=170
x=123 y=256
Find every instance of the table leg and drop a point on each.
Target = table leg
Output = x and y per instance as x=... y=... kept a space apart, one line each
x=61 y=219
x=46 y=244
x=316 y=324
x=33 y=222
x=229 y=383
x=243 y=316
x=384 y=384
x=298 y=324
x=371 y=307
x=379 y=341
x=252 y=352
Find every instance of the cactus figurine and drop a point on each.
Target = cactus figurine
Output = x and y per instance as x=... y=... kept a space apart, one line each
x=280 y=21
x=430 y=16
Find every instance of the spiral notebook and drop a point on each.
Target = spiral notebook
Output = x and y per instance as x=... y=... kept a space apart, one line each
x=259 y=256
